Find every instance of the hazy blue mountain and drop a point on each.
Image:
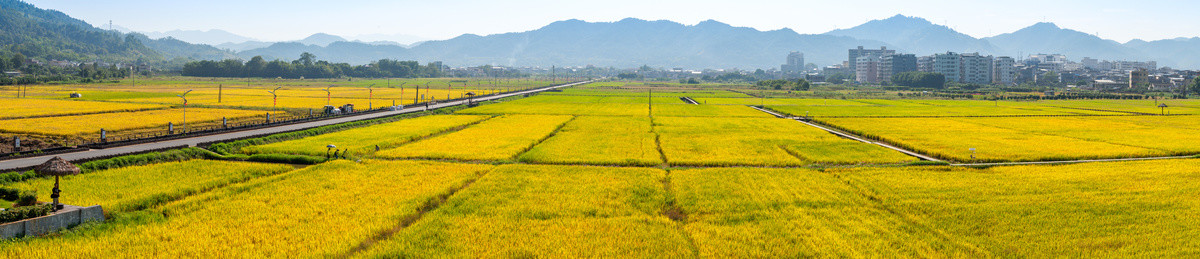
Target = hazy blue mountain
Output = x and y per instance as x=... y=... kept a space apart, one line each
x=342 y=51
x=244 y=46
x=634 y=42
x=171 y=48
x=321 y=39
x=626 y=43
x=210 y=37
x=399 y=38
x=1049 y=38
x=917 y=36
x=1176 y=53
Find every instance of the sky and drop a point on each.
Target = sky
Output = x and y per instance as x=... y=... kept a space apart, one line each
x=278 y=20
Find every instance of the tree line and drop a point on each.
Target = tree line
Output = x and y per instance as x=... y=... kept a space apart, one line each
x=920 y=80
x=307 y=66
x=32 y=73
x=779 y=84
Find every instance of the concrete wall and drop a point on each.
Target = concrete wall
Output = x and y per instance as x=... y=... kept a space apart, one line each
x=64 y=219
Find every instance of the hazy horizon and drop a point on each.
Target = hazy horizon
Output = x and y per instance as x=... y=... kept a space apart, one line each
x=281 y=21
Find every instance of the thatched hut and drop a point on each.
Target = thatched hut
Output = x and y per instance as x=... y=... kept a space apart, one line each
x=57 y=167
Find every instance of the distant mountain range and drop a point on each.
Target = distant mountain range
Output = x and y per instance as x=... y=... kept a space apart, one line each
x=711 y=44
x=917 y=36
x=209 y=37
x=226 y=40
x=625 y=43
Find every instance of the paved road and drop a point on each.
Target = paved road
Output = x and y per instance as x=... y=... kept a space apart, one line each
x=93 y=153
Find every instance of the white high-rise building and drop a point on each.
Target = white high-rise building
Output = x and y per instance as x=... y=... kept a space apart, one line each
x=948 y=65
x=1004 y=71
x=795 y=64
x=975 y=69
x=867 y=71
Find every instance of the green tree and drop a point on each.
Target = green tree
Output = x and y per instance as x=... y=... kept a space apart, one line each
x=920 y=80
x=18 y=61
x=306 y=59
x=1195 y=85
x=1050 y=78
x=801 y=84
x=255 y=66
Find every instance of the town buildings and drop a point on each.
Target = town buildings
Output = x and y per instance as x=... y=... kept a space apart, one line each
x=854 y=54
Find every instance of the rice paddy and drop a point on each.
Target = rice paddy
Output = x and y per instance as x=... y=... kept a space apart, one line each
x=602 y=170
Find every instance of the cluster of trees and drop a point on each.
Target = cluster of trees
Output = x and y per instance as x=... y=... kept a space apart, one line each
x=920 y=80
x=734 y=77
x=1076 y=96
x=795 y=85
x=1195 y=86
x=307 y=66
x=35 y=74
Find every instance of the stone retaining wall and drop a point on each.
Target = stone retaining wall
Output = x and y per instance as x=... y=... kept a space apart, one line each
x=68 y=217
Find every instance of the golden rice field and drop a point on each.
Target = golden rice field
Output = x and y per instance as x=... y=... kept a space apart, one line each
x=365 y=140
x=1100 y=210
x=596 y=171
x=547 y=211
x=575 y=105
x=308 y=98
x=501 y=138
x=140 y=187
x=1033 y=138
x=918 y=110
x=701 y=141
x=27 y=107
x=599 y=140
x=324 y=210
x=1174 y=106
x=780 y=101
x=793 y=213
x=92 y=123
x=547 y=108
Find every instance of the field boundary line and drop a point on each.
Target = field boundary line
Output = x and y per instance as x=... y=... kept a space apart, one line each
x=1075 y=161
x=851 y=136
x=517 y=157
x=873 y=200
x=658 y=144
x=1103 y=110
x=429 y=136
x=430 y=205
x=85 y=113
x=676 y=215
